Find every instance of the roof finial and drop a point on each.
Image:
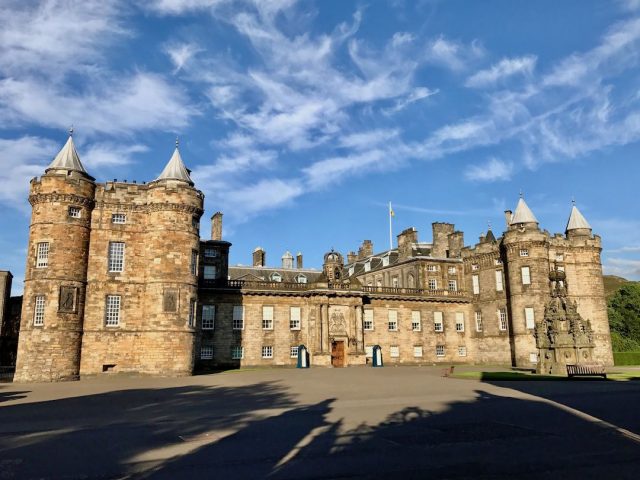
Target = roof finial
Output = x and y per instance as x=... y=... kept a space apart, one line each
x=489 y=223
x=71 y=130
x=177 y=141
x=521 y=194
x=573 y=200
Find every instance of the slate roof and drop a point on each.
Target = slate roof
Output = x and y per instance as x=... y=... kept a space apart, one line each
x=67 y=158
x=175 y=169
x=577 y=220
x=263 y=274
x=523 y=213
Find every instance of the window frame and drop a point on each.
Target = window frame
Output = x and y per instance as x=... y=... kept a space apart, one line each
x=191 y=322
x=415 y=350
x=115 y=264
x=207 y=356
x=460 y=322
x=234 y=352
x=206 y=272
x=478 y=319
x=503 y=322
x=499 y=281
x=524 y=252
x=365 y=320
x=111 y=312
x=267 y=323
x=526 y=276
x=116 y=216
x=208 y=323
x=42 y=254
x=452 y=285
x=416 y=321
x=237 y=323
x=267 y=352
x=440 y=351
x=295 y=323
x=194 y=262
x=437 y=322
x=73 y=209
x=432 y=284
x=475 y=284
x=394 y=351
x=39 y=305
x=291 y=350
x=392 y=324
x=529 y=321
x=462 y=350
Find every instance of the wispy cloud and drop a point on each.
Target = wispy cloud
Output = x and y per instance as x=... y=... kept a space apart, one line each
x=28 y=157
x=181 y=53
x=453 y=54
x=507 y=67
x=491 y=171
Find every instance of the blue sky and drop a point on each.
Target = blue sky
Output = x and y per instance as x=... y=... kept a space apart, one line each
x=300 y=120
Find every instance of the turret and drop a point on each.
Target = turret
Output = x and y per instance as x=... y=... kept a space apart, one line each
x=333 y=267
x=577 y=226
x=526 y=267
x=51 y=327
x=173 y=242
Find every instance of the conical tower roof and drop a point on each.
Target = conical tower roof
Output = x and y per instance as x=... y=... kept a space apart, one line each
x=523 y=213
x=577 y=220
x=175 y=169
x=67 y=158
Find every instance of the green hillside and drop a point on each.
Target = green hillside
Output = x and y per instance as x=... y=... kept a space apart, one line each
x=612 y=284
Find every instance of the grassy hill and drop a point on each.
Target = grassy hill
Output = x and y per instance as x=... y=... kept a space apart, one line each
x=612 y=284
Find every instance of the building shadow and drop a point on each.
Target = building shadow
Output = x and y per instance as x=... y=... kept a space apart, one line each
x=612 y=401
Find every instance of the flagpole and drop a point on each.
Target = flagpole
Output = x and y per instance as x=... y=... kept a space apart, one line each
x=390 y=230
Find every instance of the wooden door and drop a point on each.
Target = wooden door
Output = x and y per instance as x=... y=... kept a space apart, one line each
x=337 y=354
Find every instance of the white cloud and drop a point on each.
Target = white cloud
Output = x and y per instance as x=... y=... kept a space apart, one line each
x=507 y=67
x=622 y=267
x=179 y=7
x=109 y=154
x=120 y=106
x=491 y=171
x=267 y=194
x=22 y=159
x=52 y=37
x=452 y=54
x=416 y=94
x=180 y=54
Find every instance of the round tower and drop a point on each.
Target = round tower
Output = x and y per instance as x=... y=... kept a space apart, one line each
x=50 y=338
x=526 y=261
x=172 y=243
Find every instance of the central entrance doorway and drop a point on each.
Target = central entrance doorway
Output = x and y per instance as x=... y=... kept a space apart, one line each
x=337 y=353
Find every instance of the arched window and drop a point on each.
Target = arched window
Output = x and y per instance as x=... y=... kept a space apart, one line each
x=336 y=274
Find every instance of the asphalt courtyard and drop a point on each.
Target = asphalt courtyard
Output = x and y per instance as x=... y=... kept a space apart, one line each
x=405 y=422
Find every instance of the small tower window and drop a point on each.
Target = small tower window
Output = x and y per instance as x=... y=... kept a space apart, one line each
x=38 y=314
x=211 y=253
x=524 y=252
x=42 y=255
x=75 y=212
x=118 y=218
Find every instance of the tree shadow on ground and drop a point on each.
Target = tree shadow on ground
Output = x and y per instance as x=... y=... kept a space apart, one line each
x=102 y=435
x=489 y=437
x=259 y=431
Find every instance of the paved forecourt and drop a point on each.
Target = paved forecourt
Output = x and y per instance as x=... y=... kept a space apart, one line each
x=319 y=423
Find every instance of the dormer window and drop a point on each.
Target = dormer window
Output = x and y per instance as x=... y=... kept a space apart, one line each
x=385 y=261
x=301 y=279
x=351 y=270
x=367 y=266
x=276 y=277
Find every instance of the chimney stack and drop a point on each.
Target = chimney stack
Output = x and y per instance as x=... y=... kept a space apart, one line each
x=259 y=257
x=352 y=257
x=365 y=250
x=216 y=226
x=299 y=260
x=508 y=215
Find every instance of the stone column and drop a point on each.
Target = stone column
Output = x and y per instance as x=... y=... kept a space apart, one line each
x=324 y=318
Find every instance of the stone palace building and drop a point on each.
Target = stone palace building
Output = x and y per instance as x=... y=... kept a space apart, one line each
x=119 y=280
